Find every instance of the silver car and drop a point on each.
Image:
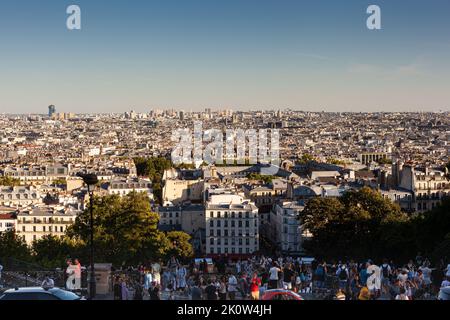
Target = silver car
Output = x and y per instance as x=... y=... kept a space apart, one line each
x=38 y=293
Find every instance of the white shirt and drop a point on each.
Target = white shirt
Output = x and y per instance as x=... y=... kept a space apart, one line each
x=274 y=273
x=232 y=283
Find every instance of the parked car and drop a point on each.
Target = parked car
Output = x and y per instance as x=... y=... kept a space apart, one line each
x=281 y=294
x=38 y=293
x=444 y=294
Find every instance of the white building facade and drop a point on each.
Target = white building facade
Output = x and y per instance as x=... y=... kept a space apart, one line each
x=232 y=225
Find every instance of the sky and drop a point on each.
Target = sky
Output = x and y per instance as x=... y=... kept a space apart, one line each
x=237 y=54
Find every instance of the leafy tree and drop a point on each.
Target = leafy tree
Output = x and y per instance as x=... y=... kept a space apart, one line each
x=179 y=245
x=305 y=158
x=153 y=168
x=51 y=251
x=432 y=227
x=9 y=182
x=337 y=162
x=125 y=230
x=384 y=161
x=354 y=225
x=13 y=246
x=59 y=182
x=264 y=178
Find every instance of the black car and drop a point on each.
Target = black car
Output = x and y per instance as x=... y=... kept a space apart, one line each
x=38 y=293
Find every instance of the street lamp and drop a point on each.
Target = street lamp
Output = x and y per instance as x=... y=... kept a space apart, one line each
x=91 y=181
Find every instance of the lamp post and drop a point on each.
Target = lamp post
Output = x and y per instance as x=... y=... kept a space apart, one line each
x=91 y=181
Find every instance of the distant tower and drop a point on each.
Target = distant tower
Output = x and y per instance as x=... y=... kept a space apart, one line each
x=51 y=110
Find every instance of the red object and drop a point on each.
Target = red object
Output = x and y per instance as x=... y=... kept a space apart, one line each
x=280 y=294
x=255 y=284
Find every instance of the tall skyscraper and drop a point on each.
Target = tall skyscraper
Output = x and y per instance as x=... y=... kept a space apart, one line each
x=51 y=110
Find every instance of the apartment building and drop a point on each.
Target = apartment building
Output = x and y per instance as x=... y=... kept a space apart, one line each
x=122 y=187
x=428 y=186
x=36 y=173
x=19 y=196
x=286 y=231
x=7 y=222
x=35 y=223
x=232 y=225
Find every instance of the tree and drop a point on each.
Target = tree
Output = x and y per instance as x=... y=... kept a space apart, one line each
x=265 y=178
x=432 y=227
x=180 y=245
x=126 y=231
x=51 y=251
x=9 y=182
x=13 y=246
x=153 y=168
x=351 y=226
x=384 y=161
x=59 y=182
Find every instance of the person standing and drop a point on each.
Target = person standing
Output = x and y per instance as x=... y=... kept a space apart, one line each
x=117 y=289
x=223 y=289
x=155 y=292
x=386 y=274
x=181 y=278
x=273 y=276
x=148 y=279
x=232 y=286
x=320 y=274
x=288 y=275
x=124 y=290
x=70 y=273
x=211 y=291
x=243 y=286
x=156 y=273
x=77 y=275
x=196 y=291
x=255 y=285
x=343 y=276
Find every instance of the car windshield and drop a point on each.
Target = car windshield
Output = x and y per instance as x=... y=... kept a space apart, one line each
x=65 y=295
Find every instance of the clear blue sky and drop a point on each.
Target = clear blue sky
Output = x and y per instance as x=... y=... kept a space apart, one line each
x=242 y=54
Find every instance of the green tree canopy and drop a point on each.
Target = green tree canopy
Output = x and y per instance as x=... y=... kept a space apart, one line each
x=9 y=182
x=51 y=251
x=125 y=232
x=350 y=226
x=13 y=246
x=154 y=169
x=179 y=245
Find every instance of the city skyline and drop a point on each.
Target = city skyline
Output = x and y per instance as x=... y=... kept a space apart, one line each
x=252 y=55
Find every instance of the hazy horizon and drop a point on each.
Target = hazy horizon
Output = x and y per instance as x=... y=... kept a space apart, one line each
x=241 y=55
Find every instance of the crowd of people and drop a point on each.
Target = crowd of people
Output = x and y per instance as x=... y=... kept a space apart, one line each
x=248 y=279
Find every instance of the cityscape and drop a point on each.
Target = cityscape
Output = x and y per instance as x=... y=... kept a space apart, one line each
x=264 y=154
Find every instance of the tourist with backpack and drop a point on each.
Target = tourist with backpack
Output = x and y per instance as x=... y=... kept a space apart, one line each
x=386 y=274
x=343 y=274
x=320 y=274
